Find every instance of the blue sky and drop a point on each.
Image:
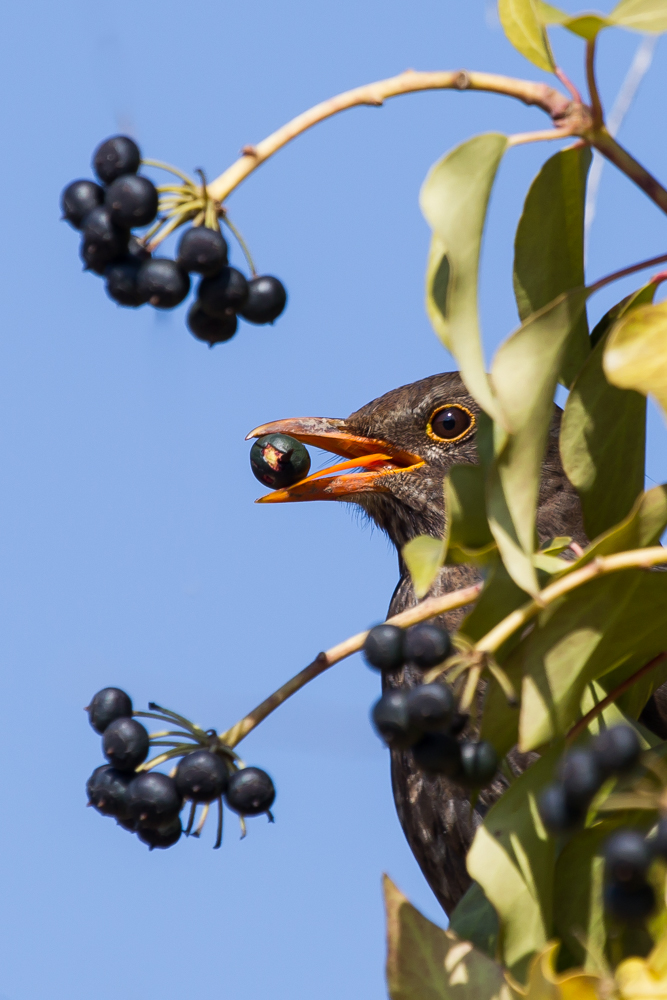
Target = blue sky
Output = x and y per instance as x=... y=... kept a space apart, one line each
x=130 y=549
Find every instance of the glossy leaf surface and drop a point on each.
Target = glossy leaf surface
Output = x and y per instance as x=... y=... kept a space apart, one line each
x=635 y=356
x=423 y=556
x=525 y=31
x=454 y=200
x=549 y=246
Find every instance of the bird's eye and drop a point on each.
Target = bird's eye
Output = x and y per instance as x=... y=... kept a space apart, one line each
x=449 y=423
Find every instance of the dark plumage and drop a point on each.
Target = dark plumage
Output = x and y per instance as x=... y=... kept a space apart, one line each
x=404 y=497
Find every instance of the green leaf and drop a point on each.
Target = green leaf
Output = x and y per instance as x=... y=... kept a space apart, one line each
x=423 y=556
x=611 y=622
x=587 y=26
x=635 y=356
x=550 y=15
x=475 y=920
x=426 y=963
x=602 y=438
x=524 y=375
x=512 y=858
x=641 y=15
x=469 y=537
x=523 y=29
x=454 y=200
x=643 y=526
x=549 y=246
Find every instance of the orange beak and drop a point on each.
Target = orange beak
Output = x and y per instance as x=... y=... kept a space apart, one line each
x=376 y=459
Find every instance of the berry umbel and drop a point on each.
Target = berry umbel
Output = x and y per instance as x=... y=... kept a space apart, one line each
x=126 y=200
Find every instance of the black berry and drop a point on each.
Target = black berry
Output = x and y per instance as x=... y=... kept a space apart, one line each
x=211 y=329
x=438 y=753
x=383 y=647
x=116 y=156
x=107 y=791
x=153 y=799
x=163 y=282
x=132 y=201
x=250 y=791
x=266 y=300
x=107 y=705
x=390 y=717
x=162 y=836
x=427 y=645
x=79 y=198
x=558 y=814
x=103 y=242
x=431 y=707
x=580 y=776
x=121 y=282
x=479 y=763
x=627 y=856
x=279 y=460
x=125 y=744
x=201 y=776
x=616 y=750
x=226 y=290
x=202 y=250
x=137 y=249
x=629 y=905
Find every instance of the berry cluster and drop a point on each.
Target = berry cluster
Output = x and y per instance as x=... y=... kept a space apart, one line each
x=107 y=213
x=279 y=460
x=425 y=719
x=149 y=803
x=582 y=772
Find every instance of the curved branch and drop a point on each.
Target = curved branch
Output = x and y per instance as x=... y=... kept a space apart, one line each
x=375 y=94
x=421 y=612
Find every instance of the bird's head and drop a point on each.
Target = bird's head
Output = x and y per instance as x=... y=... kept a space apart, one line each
x=397 y=451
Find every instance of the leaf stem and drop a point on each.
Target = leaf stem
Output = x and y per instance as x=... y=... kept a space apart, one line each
x=635 y=558
x=421 y=612
x=375 y=94
x=596 y=104
x=601 y=140
x=620 y=689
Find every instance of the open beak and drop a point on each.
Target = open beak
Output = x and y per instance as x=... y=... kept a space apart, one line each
x=374 y=459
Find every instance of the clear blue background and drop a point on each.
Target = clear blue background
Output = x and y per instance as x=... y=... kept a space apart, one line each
x=130 y=549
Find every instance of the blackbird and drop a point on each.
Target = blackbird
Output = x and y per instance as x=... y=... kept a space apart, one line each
x=397 y=450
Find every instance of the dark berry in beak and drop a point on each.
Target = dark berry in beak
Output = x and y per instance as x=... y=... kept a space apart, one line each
x=226 y=290
x=116 y=156
x=202 y=250
x=201 y=776
x=266 y=300
x=389 y=716
x=479 y=763
x=427 y=645
x=211 y=329
x=250 y=792
x=162 y=837
x=132 y=201
x=431 y=707
x=163 y=282
x=108 y=704
x=279 y=460
x=383 y=647
x=79 y=198
x=125 y=744
x=153 y=799
x=107 y=791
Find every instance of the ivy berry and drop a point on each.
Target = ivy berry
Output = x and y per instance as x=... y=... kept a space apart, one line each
x=125 y=744
x=201 y=776
x=266 y=300
x=107 y=705
x=250 y=792
x=279 y=460
x=116 y=156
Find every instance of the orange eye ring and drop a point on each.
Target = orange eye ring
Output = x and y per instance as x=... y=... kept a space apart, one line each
x=450 y=406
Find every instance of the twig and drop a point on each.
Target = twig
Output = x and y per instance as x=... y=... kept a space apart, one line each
x=596 y=104
x=620 y=689
x=635 y=558
x=375 y=94
x=421 y=612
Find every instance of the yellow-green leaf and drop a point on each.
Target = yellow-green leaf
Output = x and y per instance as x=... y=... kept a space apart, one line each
x=423 y=556
x=641 y=15
x=454 y=200
x=468 y=536
x=524 y=30
x=549 y=246
x=544 y=983
x=425 y=962
x=602 y=437
x=636 y=353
